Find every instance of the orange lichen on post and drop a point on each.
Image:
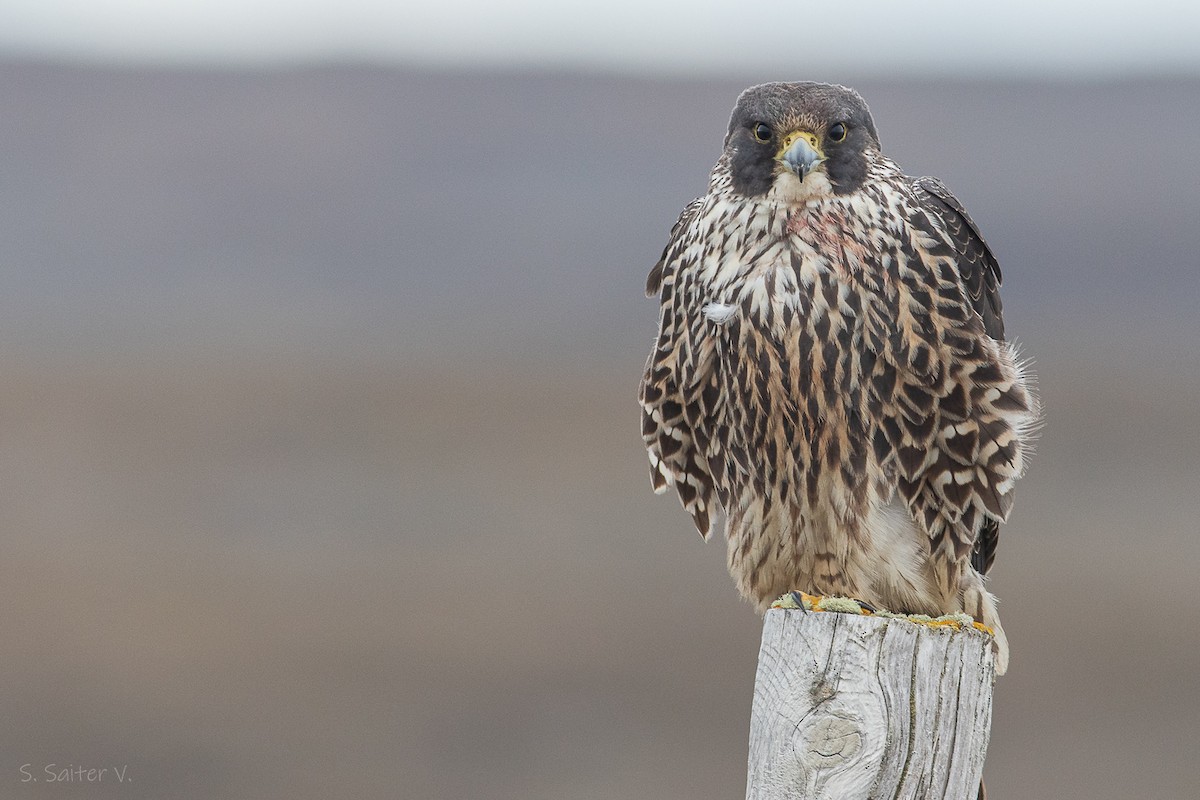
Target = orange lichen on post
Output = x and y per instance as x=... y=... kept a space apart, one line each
x=847 y=605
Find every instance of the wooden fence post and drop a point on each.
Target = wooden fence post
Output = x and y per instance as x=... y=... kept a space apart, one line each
x=850 y=707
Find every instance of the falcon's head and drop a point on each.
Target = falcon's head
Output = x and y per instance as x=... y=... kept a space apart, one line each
x=797 y=141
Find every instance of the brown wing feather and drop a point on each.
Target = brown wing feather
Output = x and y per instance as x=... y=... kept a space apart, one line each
x=670 y=403
x=981 y=279
x=978 y=265
x=984 y=553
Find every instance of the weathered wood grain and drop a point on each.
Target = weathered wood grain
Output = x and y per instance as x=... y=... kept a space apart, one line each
x=850 y=707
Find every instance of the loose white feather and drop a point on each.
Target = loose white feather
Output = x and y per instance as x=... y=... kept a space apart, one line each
x=719 y=313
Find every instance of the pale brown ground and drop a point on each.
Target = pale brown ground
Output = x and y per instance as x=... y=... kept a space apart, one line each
x=289 y=580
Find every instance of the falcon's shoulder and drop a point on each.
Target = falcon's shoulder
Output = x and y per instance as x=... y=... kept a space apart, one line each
x=686 y=218
x=977 y=264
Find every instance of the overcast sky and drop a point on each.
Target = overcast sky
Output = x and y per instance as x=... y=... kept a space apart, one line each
x=1073 y=37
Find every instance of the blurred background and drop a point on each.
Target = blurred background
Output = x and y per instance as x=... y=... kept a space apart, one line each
x=320 y=333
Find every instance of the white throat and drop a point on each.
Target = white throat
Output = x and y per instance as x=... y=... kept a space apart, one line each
x=790 y=189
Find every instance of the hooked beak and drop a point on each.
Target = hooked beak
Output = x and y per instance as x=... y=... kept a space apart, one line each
x=801 y=153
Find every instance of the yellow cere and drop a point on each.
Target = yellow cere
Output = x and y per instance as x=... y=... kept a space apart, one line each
x=791 y=138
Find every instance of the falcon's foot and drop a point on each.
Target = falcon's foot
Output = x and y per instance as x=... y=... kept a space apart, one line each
x=812 y=602
x=849 y=605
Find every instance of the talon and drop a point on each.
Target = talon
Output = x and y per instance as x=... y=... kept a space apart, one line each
x=866 y=606
x=798 y=599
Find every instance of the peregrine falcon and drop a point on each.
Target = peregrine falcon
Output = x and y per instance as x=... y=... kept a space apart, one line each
x=831 y=371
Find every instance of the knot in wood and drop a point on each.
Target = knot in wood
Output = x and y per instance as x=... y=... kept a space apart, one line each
x=831 y=741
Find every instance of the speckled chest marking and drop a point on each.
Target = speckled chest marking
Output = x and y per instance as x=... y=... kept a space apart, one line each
x=824 y=376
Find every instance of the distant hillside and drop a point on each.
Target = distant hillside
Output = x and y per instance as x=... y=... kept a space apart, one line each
x=388 y=205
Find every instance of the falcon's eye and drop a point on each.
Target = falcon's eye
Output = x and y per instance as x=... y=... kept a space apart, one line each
x=762 y=132
x=837 y=132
